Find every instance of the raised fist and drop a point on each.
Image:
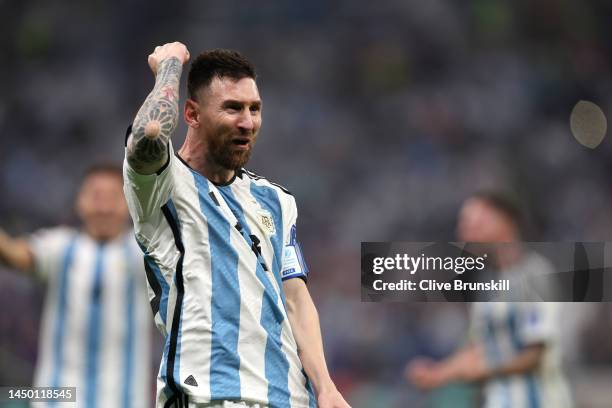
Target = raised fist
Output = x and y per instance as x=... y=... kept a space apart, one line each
x=169 y=50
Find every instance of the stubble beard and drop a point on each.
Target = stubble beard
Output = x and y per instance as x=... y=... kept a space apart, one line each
x=225 y=156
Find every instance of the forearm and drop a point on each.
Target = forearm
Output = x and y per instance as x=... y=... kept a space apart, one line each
x=526 y=361
x=454 y=367
x=15 y=253
x=305 y=325
x=156 y=120
x=470 y=364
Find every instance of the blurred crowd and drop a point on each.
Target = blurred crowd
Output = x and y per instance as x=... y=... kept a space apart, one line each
x=380 y=117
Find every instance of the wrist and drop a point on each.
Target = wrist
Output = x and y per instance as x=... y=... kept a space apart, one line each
x=325 y=386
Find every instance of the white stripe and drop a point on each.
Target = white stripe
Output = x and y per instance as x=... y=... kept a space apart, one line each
x=81 y=275
x=113 y=319
x=196 y=333
x=296 y=380
x=251 y=336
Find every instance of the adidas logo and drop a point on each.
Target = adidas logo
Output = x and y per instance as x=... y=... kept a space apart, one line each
x=191 y=381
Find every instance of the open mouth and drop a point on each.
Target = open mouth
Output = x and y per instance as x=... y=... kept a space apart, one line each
x=242 y=142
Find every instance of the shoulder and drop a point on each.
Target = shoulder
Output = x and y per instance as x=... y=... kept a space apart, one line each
x=57 y=234
x=262 y=181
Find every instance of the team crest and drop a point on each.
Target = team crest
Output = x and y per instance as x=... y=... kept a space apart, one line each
x=266 y=221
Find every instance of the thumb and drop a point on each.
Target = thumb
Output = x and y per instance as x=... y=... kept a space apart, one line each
x=152 y=63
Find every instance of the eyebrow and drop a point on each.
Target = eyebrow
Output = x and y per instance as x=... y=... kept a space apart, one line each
x=228 y=102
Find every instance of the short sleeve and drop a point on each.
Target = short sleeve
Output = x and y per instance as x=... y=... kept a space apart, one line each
x=146 y=193
x=537 y=322
x=50 y=248
x=294 y=265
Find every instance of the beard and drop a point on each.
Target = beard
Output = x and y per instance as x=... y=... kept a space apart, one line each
x=225 y=155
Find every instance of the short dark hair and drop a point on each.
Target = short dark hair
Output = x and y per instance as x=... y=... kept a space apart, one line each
x=217 y=63
x=104 y=168
x=509 y=205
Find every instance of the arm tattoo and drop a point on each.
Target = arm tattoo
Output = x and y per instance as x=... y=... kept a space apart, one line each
x=148 y=153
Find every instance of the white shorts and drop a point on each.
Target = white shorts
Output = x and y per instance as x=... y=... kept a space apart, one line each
x=227 y=404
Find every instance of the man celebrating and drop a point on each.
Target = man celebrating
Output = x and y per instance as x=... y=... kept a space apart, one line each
x=227 y=271
x=95 y=331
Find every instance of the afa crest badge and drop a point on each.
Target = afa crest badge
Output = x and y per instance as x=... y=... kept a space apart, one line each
x=266 y=221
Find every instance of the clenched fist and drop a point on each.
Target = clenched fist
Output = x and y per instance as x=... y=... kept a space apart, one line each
x=169 y=50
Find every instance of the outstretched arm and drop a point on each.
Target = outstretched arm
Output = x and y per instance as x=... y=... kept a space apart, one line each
x=15 y=253
x=469 y=364
x=304 y=321
x=156 y=120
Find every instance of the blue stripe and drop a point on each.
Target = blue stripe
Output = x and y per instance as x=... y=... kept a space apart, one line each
x=163 y=310
x=276 y=364
x=225 y=301
x=93 y=339
x=532 y=392
x=163 y=302
x=267 y=198
x=60 y=322
x=128 y=358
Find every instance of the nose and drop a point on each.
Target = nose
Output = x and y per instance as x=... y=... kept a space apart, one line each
x=246 y=122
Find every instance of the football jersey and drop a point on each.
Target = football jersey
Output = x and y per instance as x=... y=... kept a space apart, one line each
x=95 y=332
x=506 y=328
x=216 y=258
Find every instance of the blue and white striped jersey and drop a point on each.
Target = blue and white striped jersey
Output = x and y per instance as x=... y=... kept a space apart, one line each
x=95 y=332
x=505 y=329
x=216 y=257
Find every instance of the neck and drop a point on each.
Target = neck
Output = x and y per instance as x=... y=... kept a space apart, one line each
x=195 y=153
x=100 y=237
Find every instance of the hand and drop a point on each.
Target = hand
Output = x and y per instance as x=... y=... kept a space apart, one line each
x=332 y=399
x=169 y=50
x=425 y=373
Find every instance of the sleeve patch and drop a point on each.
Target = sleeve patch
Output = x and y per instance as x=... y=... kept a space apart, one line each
x=293 y=262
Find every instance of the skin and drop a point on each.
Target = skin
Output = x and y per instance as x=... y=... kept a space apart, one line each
x=478 y=222
x=101 y=208
x=223 y=124
x=223 y=121
x=157 y=118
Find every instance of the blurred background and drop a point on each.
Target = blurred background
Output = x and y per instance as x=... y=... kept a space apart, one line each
x=381 y=118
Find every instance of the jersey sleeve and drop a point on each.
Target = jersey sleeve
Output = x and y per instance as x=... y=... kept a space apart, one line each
x=50 y=248
x=294 y=265
x=146 y=193
x=537 y=322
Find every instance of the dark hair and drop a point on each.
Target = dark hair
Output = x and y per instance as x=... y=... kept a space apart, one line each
x=217 y=63
x=104 y=168
x=509 y=205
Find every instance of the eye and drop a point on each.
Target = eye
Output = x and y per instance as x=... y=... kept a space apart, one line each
x=255 y=108
x=233 y=107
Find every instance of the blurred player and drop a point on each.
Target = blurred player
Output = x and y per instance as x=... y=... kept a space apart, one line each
x=514 y=348
x=239 y=322
x=95 y=325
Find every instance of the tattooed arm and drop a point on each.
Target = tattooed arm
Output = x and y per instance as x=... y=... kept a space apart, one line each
x=156 y=120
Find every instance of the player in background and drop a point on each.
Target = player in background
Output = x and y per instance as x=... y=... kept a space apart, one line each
x=514 y=347
x=95 y=332
x=241 y=328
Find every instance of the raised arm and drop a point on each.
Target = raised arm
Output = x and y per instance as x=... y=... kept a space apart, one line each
x=156 y=120
x=304 y=321
x=15 y=253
